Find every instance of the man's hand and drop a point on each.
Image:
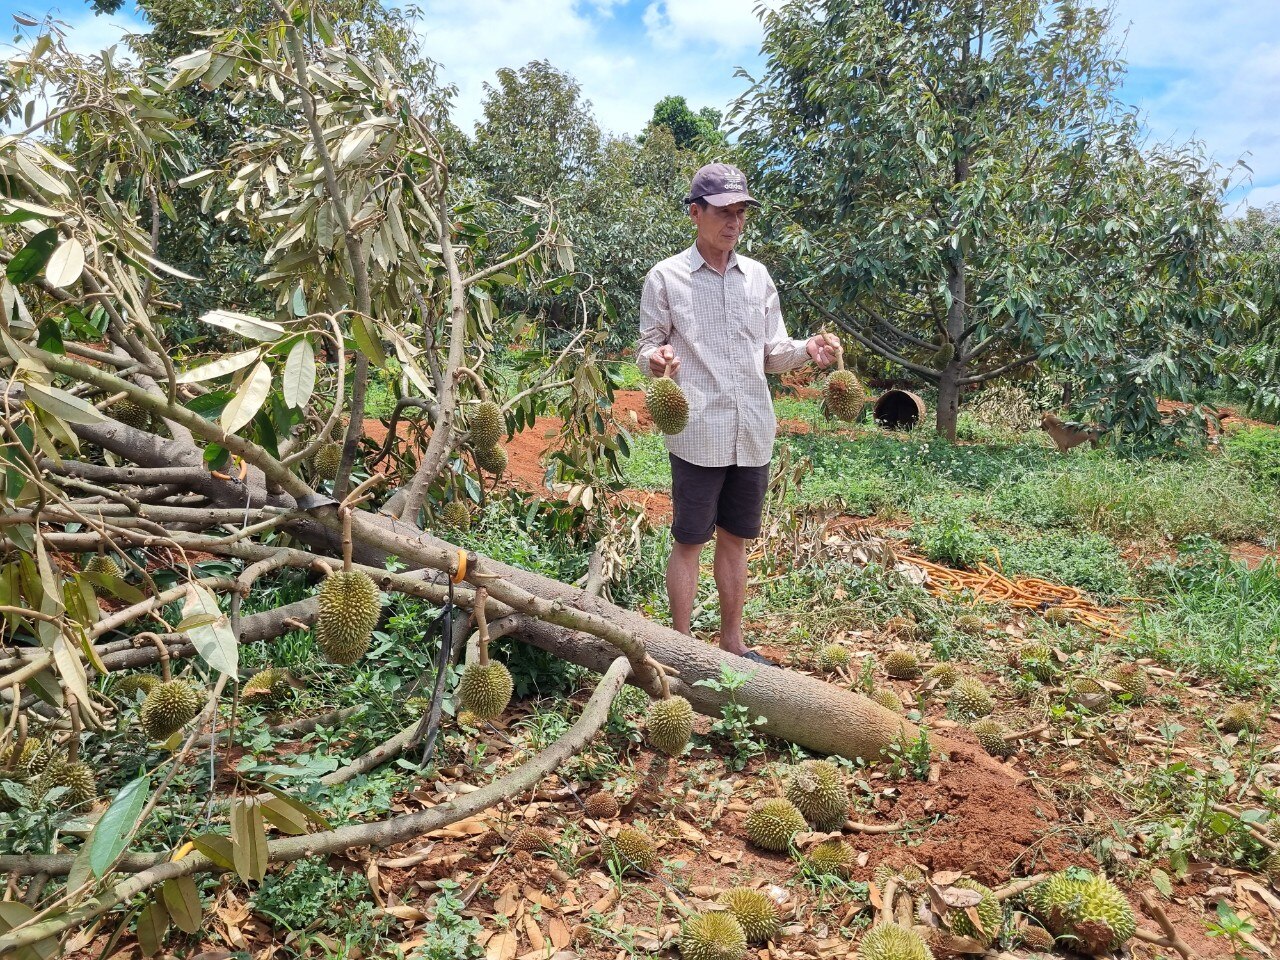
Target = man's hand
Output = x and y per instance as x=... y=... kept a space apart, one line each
x=663 y=362
x=823 y=349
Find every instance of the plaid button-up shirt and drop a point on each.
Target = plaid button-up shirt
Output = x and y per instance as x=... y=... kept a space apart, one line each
x=728 y=333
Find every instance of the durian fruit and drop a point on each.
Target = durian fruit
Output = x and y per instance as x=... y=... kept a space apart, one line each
x=1037 y=659
x=755 y=911
x=1271 y=867
x=129 y=413
x=889 y=941
x=831 y=856
x=669 y=725
x=492 y=459
x=486 y=689
x=772 y=823
x=1131 y=679
x=270 y=685
x=993 y=735
x=970 y=698
x=902 y=628
x=886 y=698
x=327 y=460
x=168 y=708
x=902 y=665
x=945 y=675
x=990 y=914
x=487 y=427
x=33 y=758
x=712 y=936
x=843 y=396
x=350 y=606
x=104 y=566
x=417 y=706
x=76 y=776
x=128 y=686
x=970 y=623
x=817 y=789
x=909 y=875
x=1035 y=937
x=1086 y=907
x=1088 y=692
x=601 y=806
x=832 y=657
x=533 y=839
x=455 y=516
x=667 y=405
x=1059 y=616
x=1240 y=718
x=633 y=850
x=466 y=718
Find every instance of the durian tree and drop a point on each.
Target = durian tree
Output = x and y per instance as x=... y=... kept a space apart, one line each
x=131 y=442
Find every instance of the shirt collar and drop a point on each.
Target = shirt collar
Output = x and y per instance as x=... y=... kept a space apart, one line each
x=697 y=261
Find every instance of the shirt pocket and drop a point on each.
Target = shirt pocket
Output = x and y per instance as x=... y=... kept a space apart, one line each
x=757 y=322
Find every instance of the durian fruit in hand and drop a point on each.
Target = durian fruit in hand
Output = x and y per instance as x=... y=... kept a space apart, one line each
x=712 y=936
x=670 y=725
x=486 y=425
x=1086 y=907
x=755 y=911
x=350 y=606
x=771 y=824
x=103 y=566
x=667 y=405
x=889 y=941
x=817 y=789
x=168 y=708
x=485 y=689
x=843 y=397
x=990 y=914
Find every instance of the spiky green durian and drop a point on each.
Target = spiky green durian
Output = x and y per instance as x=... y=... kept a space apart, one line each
x=1088 y=692
x=886 y=698
x=903 y=628
x=755 y=911
x=327 y=459
x=532 y=839
x=601 y=806
x=129 y=413
x=77 y=777
x=832 y=657
x=492 y=459
x=487 y=427
x=455 y=516
x=993 y=735
x=632 y=849
x=1131 y=679
x=843 y=396
x=970 y=623
x=1059 y=616
x=466 y=718
x=909 y=875
x=35 y=756
x=485 y=690
x=772 y=823
x=971 y=698
x=270 y=685
x=712 y=936
x=945 y=675
x=902 y=665
x=1240 y=718
x=816 y=788
x=889 y=941
x=669 y=725
x=1035 y=937
x=1085 y=906
x=350 y=606
x=990 y=914
x=1038 y=660
x=128 y=686
x=103 y=565
x=831 y=856
x=168 y=708
x=667 y=405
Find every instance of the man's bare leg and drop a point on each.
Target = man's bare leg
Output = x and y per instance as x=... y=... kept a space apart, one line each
x=731 y=582
x=682 y=584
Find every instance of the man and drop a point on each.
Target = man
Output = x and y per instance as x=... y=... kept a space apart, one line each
x=710 y=320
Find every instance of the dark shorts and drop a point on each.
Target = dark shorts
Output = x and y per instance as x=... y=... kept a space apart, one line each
x=704 y=498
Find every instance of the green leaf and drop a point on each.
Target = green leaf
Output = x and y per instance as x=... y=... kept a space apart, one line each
x=65 y=264
x=113 y=832
x=299 y=374
x=248 y=840
x=220 y=367
x=31 y=259
x=49 y=338
x=13 y=913
x=248 y=399
x=153 y=922
x=214 y=642
x=217 y=848
x=210 y=405
x=63 y=405
x=1160 y=880
x=182 y=900
x=369 y=344
x=245 y=325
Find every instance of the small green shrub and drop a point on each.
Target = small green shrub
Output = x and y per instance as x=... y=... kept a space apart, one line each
x=312 y=898
x=1257 y=450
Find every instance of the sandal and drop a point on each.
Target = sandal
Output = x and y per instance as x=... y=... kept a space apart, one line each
x=755 y=657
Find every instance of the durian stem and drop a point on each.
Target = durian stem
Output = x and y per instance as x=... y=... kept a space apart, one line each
x=482 y=625
x=886 y=915
x=1171 y=938
x=15 y=755
x=73 y=709
x=662 y=676
x=346 y=540
x=165 y=673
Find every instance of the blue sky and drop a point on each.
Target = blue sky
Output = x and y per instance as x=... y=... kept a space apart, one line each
x=1208 y=71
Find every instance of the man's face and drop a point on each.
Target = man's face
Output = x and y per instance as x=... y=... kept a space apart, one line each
x=719 y=227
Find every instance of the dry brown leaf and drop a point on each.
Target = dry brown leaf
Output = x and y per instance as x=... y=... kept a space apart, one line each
x=945 y=878
x=558 y=931
x=405 y=912
x=502 y=947
x=507 y=901
x=604 y=903
x=531 y=930
x=690 y=832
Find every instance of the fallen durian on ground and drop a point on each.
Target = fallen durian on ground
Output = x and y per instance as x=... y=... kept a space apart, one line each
x=993 y=735
x=886 y=698
x=970 y=623
x=103 y=566
x=756 y=912
x=168 y=708
x=669 y=725
x=270 y=685
x=531 y=839
x=1085 y=906
x=632 y=849
x=667 y=405
x=816 y=788
x=350 y=606
x=1037 y=659
x=970 y=698
x=902 y=665
x=712 y=936
x=1240 y=718
x=832 y=657
x=1131 y=679
x=128 y=686
x=76 y=775
x=772 y=823
x=831 y=856
x=892 y=942
x=601 y=806
x=990 y=914
x=945 y=675
x=486 y=689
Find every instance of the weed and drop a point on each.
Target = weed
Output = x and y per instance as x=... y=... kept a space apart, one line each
x=910 y=757
x=735 y=725
x=448 y=935
x=1235 y=928
x=313 y=899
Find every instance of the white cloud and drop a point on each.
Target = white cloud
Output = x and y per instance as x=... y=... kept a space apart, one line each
x=729 y=25
x=1263 y=196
